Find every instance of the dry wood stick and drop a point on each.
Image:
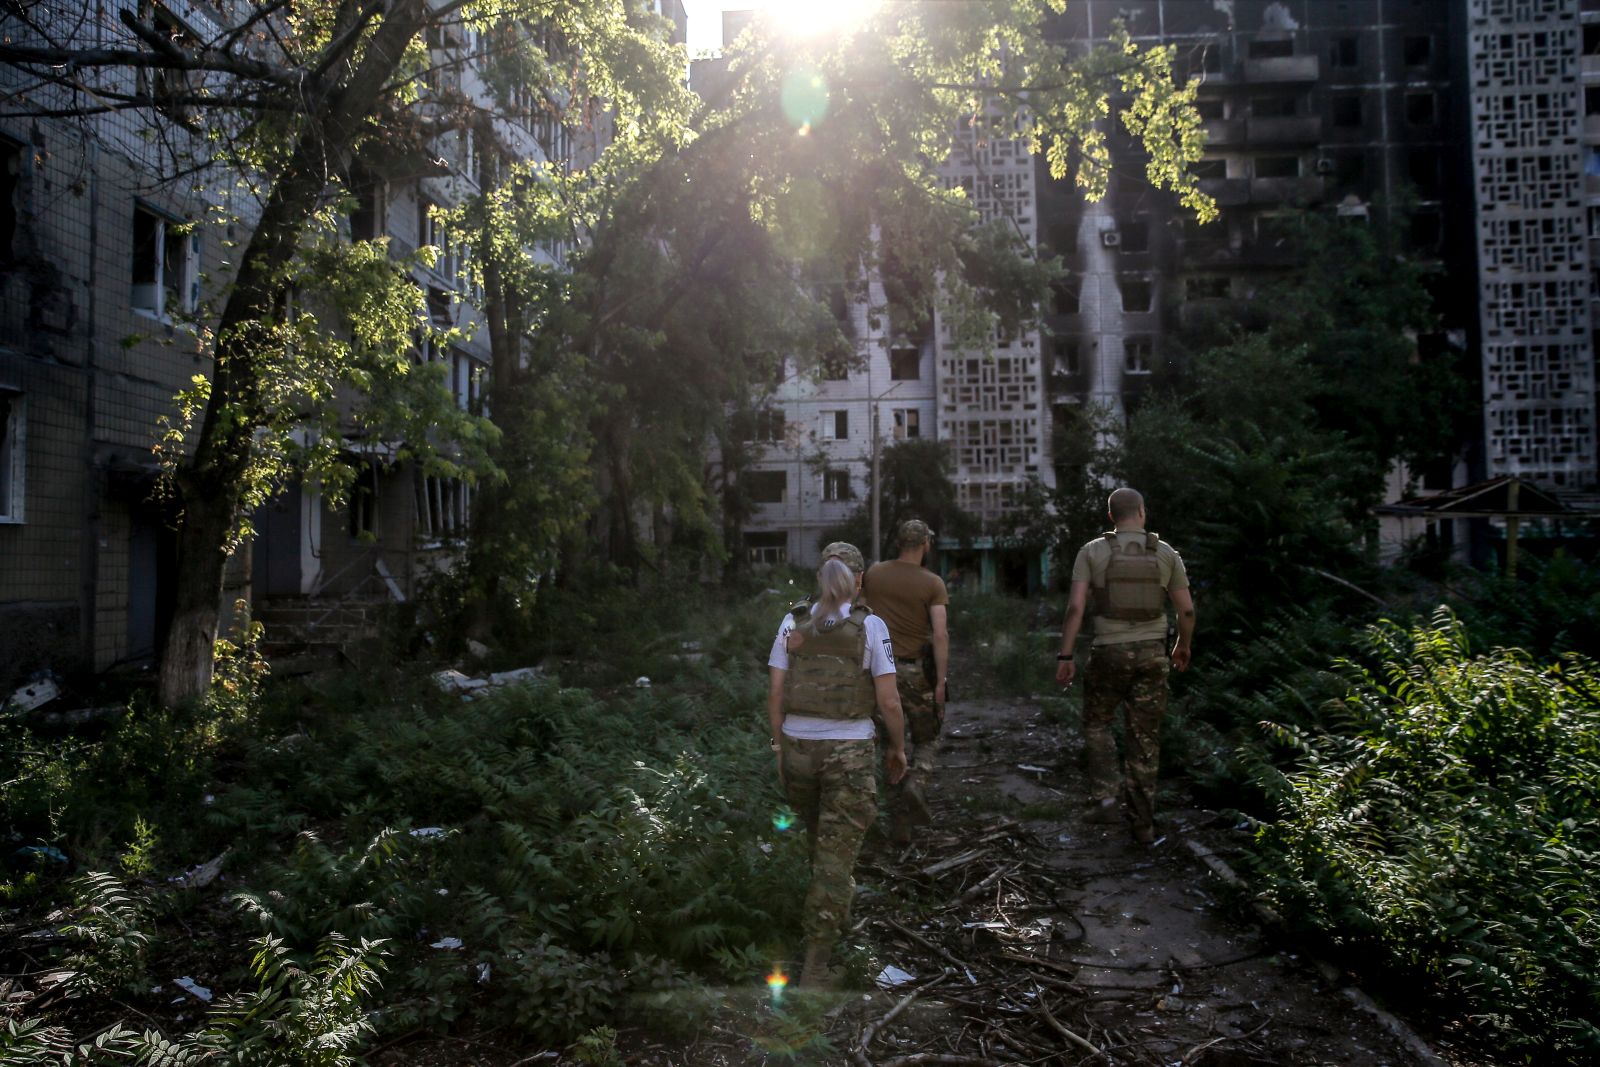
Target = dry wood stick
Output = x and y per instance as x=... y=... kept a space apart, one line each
x=871 y=1032
x=917 y=1058
x=941 y=952
x=955 y=861
x=1072 y=1038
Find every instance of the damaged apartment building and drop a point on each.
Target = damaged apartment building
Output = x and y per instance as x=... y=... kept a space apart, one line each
x=106 y=272
x=1480 y=117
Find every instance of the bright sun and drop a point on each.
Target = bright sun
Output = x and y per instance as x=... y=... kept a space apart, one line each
x=811 y=18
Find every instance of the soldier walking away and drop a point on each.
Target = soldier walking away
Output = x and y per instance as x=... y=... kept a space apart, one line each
x=1126 y=576
x=830 y=665
x=914 y=603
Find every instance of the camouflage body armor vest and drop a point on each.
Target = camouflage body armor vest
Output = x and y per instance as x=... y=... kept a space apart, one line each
x=1131 y=590
x=825 y=679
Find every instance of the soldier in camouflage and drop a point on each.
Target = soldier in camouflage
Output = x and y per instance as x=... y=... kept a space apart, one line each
x=1129 y=576
x=830 y=665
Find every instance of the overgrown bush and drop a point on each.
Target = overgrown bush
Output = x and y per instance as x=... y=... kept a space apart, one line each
x=1453 y=818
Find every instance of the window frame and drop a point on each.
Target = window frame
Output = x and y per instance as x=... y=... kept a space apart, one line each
x=833 y=421
x=1138 y=355
x=899 y=357
x=13 y=457
x=836 y=485
x=161 y=245
x=907 y=423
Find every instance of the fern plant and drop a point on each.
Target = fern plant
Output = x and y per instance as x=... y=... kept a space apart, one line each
x=1455 y=822
x=107 y=932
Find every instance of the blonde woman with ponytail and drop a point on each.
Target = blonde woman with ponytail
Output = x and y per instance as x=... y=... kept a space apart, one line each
x=831 y=664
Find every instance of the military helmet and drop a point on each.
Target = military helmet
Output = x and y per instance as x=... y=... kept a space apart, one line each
x=847 y=554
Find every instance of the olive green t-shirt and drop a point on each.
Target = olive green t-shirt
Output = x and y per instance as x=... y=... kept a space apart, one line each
x=1090 y=567
x=901 y=593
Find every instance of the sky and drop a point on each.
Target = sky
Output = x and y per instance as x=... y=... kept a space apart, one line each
x=705 y=22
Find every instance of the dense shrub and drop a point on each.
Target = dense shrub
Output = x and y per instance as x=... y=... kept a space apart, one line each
x=1453 y=818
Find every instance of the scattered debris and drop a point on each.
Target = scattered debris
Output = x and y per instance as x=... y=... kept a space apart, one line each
x=477 y=649
x=521 y=674
x=201 y=876
x=448 y=943
x=483 y=973
x=193 y=988
x=429 y=832
x=452 y=681
x=642 y=682
x=36 y=693
x=1031 y=769
x=892 y=976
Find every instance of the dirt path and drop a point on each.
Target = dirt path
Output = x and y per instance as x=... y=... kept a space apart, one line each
x=1027 y=935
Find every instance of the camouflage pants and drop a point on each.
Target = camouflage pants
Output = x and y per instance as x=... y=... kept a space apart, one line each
x=924 y=720
x=833 y=787
x=1132 y=676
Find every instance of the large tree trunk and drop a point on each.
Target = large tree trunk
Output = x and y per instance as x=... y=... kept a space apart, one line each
x=212 y=485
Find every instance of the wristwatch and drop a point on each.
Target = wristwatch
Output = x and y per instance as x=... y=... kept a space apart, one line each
x=1063 y=655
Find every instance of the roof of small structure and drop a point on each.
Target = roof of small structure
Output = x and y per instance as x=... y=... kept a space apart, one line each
x=1488 y=500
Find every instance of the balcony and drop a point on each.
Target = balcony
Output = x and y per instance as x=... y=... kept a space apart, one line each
x=1227 y=192
x=1294 y=129
x=1282 y=69
x=1300 y=190
x=1223 y=132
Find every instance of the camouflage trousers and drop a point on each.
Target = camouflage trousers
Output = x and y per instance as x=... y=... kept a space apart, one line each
x=833 y=787
x=924 y=720
x=1132 y=676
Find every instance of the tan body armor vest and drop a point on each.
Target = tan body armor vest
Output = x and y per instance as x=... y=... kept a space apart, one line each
x=1131 y=589
x=825 y=679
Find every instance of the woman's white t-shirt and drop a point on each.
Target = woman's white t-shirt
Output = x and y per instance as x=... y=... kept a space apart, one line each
x=878 y=658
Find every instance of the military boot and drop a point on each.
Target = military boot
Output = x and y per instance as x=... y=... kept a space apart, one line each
x=815 y=972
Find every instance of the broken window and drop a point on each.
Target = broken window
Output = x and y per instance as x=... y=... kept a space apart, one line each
x=1066 y=352
x=1420 y=109
x=1204 y=59
x=1344 y=53
x=1427 y=230
x=766 y=487
x=1209 y=168
x=172 y=91
x=165 y=274
x=1423 y=166
x=363 y=504
x=905 y=364
x=1591 y=38
x=1417 y=51
x=1138 y=355
x=1211 y=109
x=368 y=213
x=1064 y=296
x=1136 y=292
x=439 y=307
x=13 y=466
x=766 y=546
x=835 y=425
x=1277 y=166
x=764 y=424
x=1346 y=110
x=10 y=182
x=466 y=382
x=1272 y=49
x=907 y=423
x=836 y=485
x=443 y=507
x=1135 y=235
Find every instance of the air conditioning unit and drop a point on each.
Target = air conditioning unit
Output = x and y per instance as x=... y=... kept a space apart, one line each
x=1325 y=166
x=1111 y=238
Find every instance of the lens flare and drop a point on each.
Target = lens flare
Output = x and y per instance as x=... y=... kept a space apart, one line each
x=776 y=981
x=782 y=821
